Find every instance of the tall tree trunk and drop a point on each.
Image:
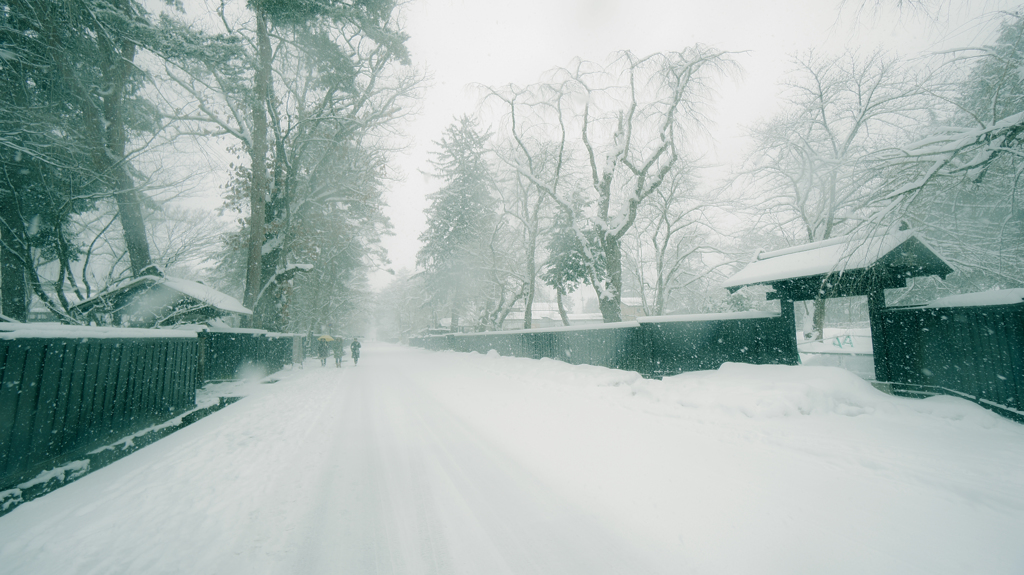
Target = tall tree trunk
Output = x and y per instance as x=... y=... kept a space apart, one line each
x=13 y=300
x=561 y=307
x=120 y=62
x=531 y=289
x=455 y=319
x=659 y=296
x=133 y=224
x=609 y=300
x=104 y=123
x=456 y=302
x=819 y=320
x=271 y=309
x=260 y=185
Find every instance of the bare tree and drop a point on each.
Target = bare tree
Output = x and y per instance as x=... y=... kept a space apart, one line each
x=673 y=245
x=530 y=208
x=628 y=121
x=821 y=160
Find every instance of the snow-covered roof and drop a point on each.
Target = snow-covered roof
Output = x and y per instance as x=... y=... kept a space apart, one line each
x=836 y=255
x=619 y=325
x=195 y=290
x=708 y=316
x=58 y=330
x=991 y=297
x=553 y=315
x=207 y=294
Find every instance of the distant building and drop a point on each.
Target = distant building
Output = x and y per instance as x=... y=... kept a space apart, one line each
x=545 y=314
x=631 y=308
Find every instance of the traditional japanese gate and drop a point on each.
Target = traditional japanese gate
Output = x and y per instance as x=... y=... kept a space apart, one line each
x=864 y=265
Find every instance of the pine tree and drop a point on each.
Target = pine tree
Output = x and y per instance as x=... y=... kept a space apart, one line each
x=459 y=217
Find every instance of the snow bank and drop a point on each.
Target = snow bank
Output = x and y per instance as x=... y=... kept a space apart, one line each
x=778 y=391
x=761 y=469
x=758 y=392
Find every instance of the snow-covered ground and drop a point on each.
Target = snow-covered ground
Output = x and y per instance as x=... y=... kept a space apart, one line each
x=420 y=462
x=848 y=348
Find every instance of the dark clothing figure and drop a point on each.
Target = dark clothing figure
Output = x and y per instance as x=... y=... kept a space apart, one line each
x=355 y=351
x=339 y=351
x=321 y=351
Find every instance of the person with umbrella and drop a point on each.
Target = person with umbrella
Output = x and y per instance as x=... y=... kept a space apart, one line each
x=322 y=348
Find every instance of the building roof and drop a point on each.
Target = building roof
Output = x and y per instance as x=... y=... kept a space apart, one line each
x=163 y=299
x=843 y=266
x=992 y=297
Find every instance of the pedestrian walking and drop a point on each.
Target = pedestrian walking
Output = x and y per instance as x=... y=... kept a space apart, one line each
x=339 y=351
x=355 y=350
x=322 y=348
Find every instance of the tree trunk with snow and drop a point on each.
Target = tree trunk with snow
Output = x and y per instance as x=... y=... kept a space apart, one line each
x=561 y=307
x=609 y=292
x=260 y=185
x=531 y=287
x=14 y=302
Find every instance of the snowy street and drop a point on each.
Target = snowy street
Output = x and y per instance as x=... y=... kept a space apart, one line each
x=421 y=462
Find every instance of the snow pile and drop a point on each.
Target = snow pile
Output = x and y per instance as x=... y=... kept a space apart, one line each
x=59 y=475
x=745 y=391
x=587 y=376
x=779 y=391
x=764 y=391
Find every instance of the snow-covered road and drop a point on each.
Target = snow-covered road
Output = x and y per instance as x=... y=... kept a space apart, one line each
x=419 y=462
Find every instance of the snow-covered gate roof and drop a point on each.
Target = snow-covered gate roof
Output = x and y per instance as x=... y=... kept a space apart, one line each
x=842 y=267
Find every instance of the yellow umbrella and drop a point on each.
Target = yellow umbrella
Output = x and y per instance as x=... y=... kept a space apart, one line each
x=325 y=338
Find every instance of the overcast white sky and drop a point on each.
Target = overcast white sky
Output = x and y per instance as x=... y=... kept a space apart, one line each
x=462 y=42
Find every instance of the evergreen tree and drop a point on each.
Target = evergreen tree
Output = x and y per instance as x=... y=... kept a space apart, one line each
x=71 y=107
x=459 y=218
x=567 y=266
x=74 y=120
x=311 y=101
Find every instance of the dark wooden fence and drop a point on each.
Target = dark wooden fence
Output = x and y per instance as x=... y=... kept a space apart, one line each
x=974 y=352
x=971 y=352
x=58 y=395
x=652 y=346
x=64 y=395
x=224 y=352
x=681 y=344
